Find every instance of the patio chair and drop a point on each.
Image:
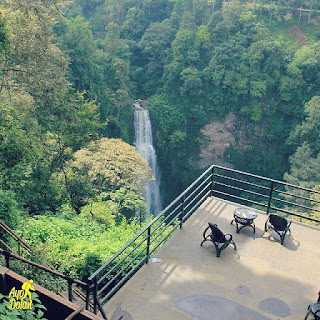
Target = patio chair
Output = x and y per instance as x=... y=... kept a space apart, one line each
x=218 y=238
x=314 y=309
x=279 y=224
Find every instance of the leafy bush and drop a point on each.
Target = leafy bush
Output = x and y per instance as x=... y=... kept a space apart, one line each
x=103 y=211
x=9 y=210
x=72 y=245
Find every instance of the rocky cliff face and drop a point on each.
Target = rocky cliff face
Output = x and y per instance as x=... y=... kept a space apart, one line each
x=218 y=135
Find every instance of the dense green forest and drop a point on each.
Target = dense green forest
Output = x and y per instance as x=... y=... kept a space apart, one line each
x=70 y=71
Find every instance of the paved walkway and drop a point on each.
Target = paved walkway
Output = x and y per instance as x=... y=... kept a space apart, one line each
x=261 y=280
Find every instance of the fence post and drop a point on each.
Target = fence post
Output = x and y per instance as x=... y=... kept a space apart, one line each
x=148 y=244
x=70 y=282
x=270 y=197
x=7 y=257
x=95 y=295
x=87 y=296
x=182 y=211
x=212 y=181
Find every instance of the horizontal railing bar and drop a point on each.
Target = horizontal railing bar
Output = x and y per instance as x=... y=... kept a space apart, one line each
x=119 y=284
x=196 y=181
x=122 y=260
x=195 y=190
x=165 y=238
x=296 y=204
x=240 y=198
x=245 y=173
x=149 y=225
x=266 y=179
x=295 y=214
x=118 y=274
x=56 y=273
x=4 y=244
x=165 y=228
x=244 y=190
x=198 y=195
x=242 y=181
x=16 y=237
x=164 y=221
x=295 y=196
x=198 y=204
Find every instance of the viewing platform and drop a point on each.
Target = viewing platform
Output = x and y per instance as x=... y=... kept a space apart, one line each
x=261 y=280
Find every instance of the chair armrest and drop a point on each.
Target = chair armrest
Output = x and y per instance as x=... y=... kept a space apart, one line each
x=204 y=232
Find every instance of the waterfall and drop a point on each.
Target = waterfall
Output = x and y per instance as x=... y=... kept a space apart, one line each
x=144 y=145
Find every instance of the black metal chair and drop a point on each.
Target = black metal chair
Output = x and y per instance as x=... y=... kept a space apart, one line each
x=314 y=309
x=279 y=224
x=218 y=238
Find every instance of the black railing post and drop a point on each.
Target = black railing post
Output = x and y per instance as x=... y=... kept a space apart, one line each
x=88 y=296
x=212 y=181
x=70 y=282
x=95 y=295
x=148 y=244
x=7 y=257
x=182 y=210
x=270 y=196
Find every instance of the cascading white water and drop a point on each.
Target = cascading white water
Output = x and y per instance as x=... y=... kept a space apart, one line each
x=144 y=145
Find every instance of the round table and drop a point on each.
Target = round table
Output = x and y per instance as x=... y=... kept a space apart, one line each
x=244 y=217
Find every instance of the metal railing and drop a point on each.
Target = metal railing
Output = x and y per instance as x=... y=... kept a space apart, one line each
x=9 y=256
x=234 y=185
x=9 y=253
x=269 y=194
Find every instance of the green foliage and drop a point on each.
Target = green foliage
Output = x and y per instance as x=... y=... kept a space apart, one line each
x=102 y=211
x=9 y=210
x=308 y=131
x=71 y=243
x=305 y=162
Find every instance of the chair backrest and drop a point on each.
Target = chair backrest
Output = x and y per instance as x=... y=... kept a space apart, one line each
x=279 y=223
x=217 y=235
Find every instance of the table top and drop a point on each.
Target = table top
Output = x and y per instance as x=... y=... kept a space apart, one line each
x=245 y=213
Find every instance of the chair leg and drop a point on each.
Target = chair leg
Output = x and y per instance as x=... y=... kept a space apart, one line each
x=234 y=244
x=307 y=315
x=217 y=249
x=204 y=240
x=283 y=236
x=238 y=229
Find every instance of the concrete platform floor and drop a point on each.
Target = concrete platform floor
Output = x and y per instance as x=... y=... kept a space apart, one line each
x=261 y=280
